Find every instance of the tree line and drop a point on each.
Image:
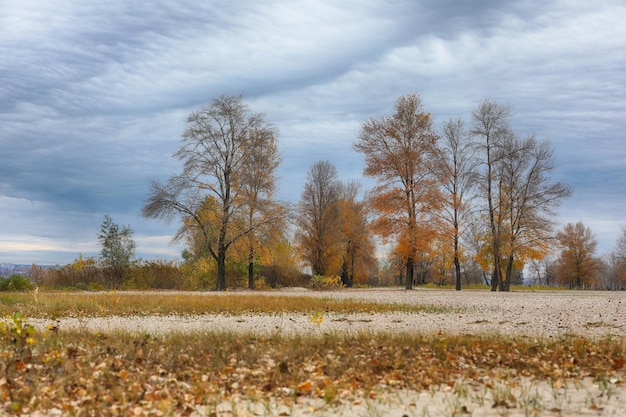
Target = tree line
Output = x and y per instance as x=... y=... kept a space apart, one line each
x=469 y=203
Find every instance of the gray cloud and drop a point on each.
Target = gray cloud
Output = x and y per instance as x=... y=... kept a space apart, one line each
x=93 y=97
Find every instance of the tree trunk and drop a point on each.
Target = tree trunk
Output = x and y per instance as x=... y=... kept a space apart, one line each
x=457 y=270
x=495 y=280
x=506 y=285
x=251 y=269
x=220 y=283
x=346 y=276
x=351 y=273
x=409 y=274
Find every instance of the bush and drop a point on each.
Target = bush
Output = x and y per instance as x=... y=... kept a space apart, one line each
x=157 y=274
x=15 y=283
x=319 y=282
x=261 y=285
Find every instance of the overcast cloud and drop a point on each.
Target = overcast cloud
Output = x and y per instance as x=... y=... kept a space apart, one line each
x=94 y=96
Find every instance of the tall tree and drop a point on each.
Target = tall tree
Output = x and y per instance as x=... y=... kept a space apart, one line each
x=458 y=180
x=527 y=199
x=212 y=194
x=490 y=126
x=401 y=153
x=258 y=188
x=318 y=236
x=578 y=264
x=118 y=249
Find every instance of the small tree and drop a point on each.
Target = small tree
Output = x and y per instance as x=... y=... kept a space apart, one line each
x=578 y=265
x=118 y=249
x=318 y=236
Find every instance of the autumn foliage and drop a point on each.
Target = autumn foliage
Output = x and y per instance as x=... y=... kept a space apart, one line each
x=401 y=154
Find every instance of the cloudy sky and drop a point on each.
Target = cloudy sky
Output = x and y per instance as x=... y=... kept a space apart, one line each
x=94 y=96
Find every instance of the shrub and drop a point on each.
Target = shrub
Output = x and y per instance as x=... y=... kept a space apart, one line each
x=261 y=285
x=156 y=274
x=319 y=282
x=15 y=283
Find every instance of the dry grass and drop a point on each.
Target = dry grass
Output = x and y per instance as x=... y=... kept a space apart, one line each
x=78 y=304
x=117 y=373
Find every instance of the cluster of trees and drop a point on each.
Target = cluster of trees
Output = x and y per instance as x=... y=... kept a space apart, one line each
x=572 y=261
x=447 y=203
x=439 y=197
x=466 y=204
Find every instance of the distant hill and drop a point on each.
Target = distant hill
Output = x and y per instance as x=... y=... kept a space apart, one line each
x=11 y=269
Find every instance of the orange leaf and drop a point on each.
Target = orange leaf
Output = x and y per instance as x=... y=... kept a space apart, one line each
x=306 y=386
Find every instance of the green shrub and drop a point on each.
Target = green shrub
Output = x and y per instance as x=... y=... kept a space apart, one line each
x=319 y=282
x=15 y=283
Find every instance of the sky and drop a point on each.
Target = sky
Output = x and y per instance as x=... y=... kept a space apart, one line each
x=94 y=97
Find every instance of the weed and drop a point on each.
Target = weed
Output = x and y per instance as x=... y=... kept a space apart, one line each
x=317 y=318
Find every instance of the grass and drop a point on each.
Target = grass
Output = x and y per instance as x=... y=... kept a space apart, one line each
x=77 y=304
x=117 y=373
x=76 y=372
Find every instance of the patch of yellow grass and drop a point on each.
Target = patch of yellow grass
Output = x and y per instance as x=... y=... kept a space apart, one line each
x=75 y=304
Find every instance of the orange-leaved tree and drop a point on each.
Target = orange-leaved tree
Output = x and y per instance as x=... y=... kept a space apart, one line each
x=578 y=265
x=401 y=154
x=358 y=246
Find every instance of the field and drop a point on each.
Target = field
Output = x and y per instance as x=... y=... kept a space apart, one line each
x=298 y=352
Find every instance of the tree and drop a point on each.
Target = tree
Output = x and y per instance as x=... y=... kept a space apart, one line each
x=401 y=153
x=577 y=265
x=358 y=246
x=527 y=199
x=213 y=195
x=118 y=249
x=619 y=260
x=258 y=186
x=521 y=199
x=458 y=180
x=318 y=236
x=490 y=126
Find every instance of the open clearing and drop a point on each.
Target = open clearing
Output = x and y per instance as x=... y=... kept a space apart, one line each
x=538 y=314
x=498 y=390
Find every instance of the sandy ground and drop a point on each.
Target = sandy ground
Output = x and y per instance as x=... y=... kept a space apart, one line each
x=538 y=314
x=525 y=314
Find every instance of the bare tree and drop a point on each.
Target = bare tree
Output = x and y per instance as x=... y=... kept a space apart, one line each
x=619 y=260
x=620 y=247
x=490 y=125
x=521 y=198
x=318 y=236
x=211 y=195
x=527 y=201
x=258 y=188
x=401 y=153
x=458 y=179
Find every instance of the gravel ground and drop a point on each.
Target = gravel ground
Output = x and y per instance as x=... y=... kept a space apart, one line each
x=544 y=314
